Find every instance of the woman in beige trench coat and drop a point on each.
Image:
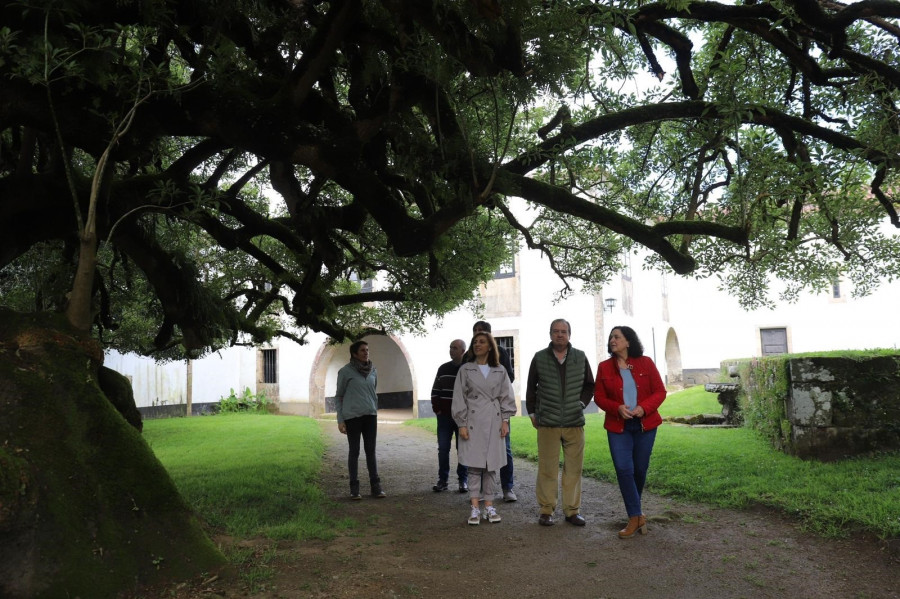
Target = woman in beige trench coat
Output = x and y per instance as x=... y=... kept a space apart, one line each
x=483 y=402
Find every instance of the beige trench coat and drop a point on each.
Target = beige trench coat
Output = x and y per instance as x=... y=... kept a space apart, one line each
x=481 y=404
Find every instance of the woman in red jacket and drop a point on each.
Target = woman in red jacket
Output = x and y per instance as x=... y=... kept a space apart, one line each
x=629 y=390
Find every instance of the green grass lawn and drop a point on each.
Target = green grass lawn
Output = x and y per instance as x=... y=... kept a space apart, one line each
x=254 y=475
x=693 y=400
x=736 y=468
x=248 y=474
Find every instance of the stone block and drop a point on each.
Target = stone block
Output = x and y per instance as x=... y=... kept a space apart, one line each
x=808 y=405
x=840 y=407
x=825 y=407
x=836 y=443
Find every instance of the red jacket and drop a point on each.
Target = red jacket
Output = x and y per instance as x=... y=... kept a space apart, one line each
x=651 y=392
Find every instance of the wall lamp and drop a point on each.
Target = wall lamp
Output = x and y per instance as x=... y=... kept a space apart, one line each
x=610 y=304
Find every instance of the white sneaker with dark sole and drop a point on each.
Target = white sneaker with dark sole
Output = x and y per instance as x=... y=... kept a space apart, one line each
x=475 y=516
x=491 y=515
x=509 y=496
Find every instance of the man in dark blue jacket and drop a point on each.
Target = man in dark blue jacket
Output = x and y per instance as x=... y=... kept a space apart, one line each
x=441 y=400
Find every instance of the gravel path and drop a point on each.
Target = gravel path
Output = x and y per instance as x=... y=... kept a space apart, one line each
x=416 y=543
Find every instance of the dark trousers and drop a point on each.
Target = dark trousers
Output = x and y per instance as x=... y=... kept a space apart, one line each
x=506 y=473
x=446 y=429
x=367 y=427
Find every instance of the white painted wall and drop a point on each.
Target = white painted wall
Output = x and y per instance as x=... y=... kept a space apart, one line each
x=712 y=327
x=217 y=374
x=709 y=325
x=152 y=384
x=538 y=310
x=295 y=363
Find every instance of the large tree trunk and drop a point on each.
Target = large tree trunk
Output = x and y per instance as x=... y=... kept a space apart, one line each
x=86 y=509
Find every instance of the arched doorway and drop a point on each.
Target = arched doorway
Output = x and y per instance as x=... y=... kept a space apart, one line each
x=396 y=376
x=674 y=374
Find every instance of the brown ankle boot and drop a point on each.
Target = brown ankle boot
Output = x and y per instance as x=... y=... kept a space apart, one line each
x=635 y=523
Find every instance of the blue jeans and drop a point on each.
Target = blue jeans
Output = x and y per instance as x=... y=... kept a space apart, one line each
x=506 y=473
x=446 y=429
x=630 y=453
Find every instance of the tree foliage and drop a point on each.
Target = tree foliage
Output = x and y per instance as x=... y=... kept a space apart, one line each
x=748 y=141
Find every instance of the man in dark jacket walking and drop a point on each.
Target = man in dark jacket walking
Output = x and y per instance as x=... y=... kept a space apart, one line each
x=441 y=399
x=560 y=385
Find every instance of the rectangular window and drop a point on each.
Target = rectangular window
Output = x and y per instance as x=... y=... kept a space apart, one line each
x=365 y=285
x=836 y=289
x=773 y=341
x=270 y=365
x=507 y=344
x=626 y=265
x=506 y=270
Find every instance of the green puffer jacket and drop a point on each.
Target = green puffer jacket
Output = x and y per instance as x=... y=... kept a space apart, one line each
x=557 y=406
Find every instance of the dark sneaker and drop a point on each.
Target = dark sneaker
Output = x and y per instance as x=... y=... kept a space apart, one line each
x=463 y=487
x=377 y=491
x=441 y=486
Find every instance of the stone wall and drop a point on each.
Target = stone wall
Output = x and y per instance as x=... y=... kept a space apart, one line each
x=839 y=406
x=699 y=376
x=825 y=408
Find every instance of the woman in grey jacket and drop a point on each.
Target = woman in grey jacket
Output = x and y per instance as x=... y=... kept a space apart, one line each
x=483 y=402
x=357 y=415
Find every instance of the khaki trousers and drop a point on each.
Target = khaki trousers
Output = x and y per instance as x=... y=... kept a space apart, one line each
x=549 y=440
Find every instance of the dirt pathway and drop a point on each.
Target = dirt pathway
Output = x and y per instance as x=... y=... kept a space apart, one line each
x=416 y=543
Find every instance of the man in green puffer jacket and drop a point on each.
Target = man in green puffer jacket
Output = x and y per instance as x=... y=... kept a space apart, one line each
x=560 y=385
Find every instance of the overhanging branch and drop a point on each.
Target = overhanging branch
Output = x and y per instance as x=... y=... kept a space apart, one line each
x=560 y=200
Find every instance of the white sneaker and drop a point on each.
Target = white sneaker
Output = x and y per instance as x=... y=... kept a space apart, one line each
x=491 y=515
x=475 y=516
x=509 y=496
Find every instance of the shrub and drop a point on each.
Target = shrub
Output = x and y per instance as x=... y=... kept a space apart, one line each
x=247 y=402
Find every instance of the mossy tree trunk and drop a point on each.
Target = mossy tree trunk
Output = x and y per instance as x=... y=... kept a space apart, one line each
x=86 y=509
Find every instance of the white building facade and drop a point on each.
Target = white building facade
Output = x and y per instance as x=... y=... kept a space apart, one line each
x=687 y=327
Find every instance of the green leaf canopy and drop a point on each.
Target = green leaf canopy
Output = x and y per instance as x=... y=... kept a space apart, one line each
x=744 y=140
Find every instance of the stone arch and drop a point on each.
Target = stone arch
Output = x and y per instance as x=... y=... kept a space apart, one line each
x=397 y=387
x=674 y=373
x=326 y=355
